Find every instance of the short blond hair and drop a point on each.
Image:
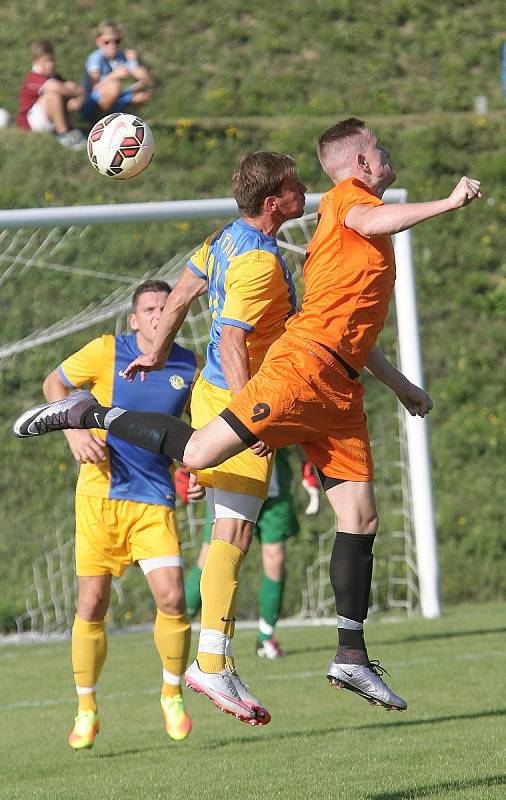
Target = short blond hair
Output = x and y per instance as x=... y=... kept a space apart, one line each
x=109 y=25
x=258 y=176
x=40 y=48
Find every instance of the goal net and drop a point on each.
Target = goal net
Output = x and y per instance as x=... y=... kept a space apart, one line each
x=67 y=283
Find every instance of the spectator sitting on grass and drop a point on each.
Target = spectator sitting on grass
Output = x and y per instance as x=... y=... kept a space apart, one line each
x=107 y=72
x=47 y=101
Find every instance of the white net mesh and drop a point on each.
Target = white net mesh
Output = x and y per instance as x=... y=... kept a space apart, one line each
x=50 y=598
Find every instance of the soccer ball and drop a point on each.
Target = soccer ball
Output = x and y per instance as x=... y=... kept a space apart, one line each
x=120 y=146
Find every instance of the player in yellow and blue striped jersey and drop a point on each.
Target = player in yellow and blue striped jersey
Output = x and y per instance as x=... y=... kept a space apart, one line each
x=251 y=295
x=125 y=501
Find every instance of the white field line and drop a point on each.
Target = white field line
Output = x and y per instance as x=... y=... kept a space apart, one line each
x=244 y=625
x=289 y=676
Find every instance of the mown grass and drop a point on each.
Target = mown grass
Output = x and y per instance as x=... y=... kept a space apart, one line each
x=322 y=744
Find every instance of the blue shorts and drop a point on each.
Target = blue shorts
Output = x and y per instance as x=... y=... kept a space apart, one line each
x=92 y=111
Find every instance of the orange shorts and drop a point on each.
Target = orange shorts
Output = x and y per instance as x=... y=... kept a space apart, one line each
x=303 y=395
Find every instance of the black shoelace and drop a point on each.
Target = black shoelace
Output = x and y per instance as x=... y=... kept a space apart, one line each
x=53 y=421
x=378 y=670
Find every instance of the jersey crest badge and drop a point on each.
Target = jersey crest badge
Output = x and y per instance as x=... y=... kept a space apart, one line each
x=177 y=382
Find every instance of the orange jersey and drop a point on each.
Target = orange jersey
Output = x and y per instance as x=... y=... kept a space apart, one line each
x=348 y=279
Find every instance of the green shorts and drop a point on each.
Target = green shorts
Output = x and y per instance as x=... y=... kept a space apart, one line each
x=276 y=523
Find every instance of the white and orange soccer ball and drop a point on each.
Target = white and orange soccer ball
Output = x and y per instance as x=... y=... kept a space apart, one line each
x=121 y=146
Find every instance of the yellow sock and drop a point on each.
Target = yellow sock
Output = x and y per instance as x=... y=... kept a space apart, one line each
x=218 y=587
x=89 y=649
x=229 y=659
x=172 y=639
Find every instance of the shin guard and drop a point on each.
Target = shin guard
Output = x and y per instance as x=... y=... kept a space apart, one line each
x=159 y=433
x=351 y=574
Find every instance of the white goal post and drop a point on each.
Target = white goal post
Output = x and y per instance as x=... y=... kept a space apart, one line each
x=418 y=456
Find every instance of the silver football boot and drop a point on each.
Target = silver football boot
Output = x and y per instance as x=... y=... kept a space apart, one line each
x=57 y=416
x=366 y=682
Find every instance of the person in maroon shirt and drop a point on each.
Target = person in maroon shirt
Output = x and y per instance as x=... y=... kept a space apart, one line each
x=46 y=100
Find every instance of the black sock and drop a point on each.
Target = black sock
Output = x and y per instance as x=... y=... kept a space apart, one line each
x=351 y=565
x=159 y=433
x=95 y=416
x=351 y=573
x=351 y=648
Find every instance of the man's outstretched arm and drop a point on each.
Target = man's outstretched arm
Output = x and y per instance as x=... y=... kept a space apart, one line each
x=393 y=218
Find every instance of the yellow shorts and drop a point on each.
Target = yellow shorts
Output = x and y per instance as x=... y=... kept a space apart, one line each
x=246 y=472
x=111 y=534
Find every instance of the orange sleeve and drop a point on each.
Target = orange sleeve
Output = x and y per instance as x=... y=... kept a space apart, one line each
x=355 y=193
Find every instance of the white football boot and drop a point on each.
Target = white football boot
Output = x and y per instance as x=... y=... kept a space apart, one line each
x=57 y=416
x=220 y=688
x=262 y=715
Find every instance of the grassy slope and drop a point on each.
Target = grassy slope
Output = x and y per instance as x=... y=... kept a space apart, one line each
x=321 y=744
x=329 y=57
x=460 y=259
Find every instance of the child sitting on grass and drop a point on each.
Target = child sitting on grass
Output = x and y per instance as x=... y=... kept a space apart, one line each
x=47 y=101
x=114 y=79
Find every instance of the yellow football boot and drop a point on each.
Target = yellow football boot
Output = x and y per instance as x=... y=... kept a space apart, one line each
x=177 y=722
x=86 y=727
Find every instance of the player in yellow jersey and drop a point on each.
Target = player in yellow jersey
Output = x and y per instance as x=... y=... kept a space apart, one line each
x=251 y=295
x=125 y=508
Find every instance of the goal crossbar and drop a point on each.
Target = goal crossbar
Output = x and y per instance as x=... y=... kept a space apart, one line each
x=138 y=212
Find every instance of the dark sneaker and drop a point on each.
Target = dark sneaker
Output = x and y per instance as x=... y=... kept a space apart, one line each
x=366 y=682
x=58 y=416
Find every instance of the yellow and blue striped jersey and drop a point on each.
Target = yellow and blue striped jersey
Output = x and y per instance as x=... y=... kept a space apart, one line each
x=130 y=472
x=249 y=286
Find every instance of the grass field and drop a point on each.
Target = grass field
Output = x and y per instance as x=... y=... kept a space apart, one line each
x=322 y=743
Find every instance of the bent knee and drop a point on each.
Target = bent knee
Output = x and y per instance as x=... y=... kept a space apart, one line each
x=93 y=607
x=273 y=555
x=171 y=601
x=359 y=523
x=51 y=86
x=195 y=455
